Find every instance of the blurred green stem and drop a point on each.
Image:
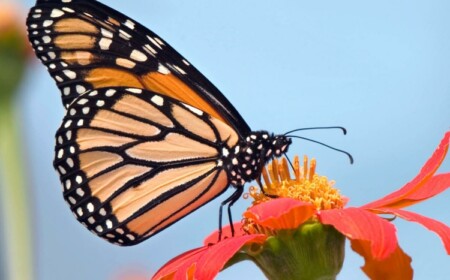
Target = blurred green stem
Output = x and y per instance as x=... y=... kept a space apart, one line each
x=14 y=196
x=14 y=204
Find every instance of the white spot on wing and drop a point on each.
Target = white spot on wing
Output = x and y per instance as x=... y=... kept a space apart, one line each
x=105 y=43
x=86 y=110
x=90 y=207
x=47 y=23
x=154 y=42
x=163 y=70
x=106 y=33
x=80 y=211
x=129 y=23
x=70 y=74
x=150 y=50
x=56 y=13
x=78 y=179
x=82 y=101
x=109 y=224
x=72 y=200
x=179 y=70
x=134 y=90
x=138 y=56
x=193 y=109
x=80 y=192
x=68 y=10
x=124 y=35
x=110 y=92
x=46 y=39
x=80 y=89
x=158 y=100
x=159 y=41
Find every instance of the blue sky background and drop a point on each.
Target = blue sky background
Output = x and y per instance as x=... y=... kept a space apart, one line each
x=381 y=69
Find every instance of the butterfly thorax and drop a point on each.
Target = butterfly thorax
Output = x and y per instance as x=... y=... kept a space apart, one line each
x=244 y=161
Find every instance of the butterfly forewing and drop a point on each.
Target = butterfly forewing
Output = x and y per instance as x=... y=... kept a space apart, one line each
x=132 y=162
x=87 y=45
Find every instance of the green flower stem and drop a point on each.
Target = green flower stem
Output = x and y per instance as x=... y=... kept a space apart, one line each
x=14 y=204
x=14 y=195
x=312 y=252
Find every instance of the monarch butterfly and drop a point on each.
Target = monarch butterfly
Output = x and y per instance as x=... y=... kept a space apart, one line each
x=146 y=138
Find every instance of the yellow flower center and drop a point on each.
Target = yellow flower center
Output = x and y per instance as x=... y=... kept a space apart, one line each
x=306 y=185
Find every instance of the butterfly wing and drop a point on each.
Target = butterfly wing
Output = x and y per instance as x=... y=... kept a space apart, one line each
x=132 y=161
x=86 y=45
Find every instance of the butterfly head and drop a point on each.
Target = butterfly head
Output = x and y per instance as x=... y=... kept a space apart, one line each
x=280 y=144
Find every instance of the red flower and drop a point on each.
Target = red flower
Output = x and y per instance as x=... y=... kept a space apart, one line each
x=309 y=205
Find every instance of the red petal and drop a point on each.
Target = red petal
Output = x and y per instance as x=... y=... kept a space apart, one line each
x=396 y=266
x=439 y=228
x=175 y=267
x=434 y=186
x=218 y=255
x=359 y=224
x=418 y=182
x=226 y=233
x=281 y=213
x=205 y=262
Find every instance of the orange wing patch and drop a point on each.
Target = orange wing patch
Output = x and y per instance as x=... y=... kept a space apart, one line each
x=88 y=138
x=95 y=162
x=193 y=123
x=187 y=201
x=200 y=191
x=166 y=84
x=174 y=147
x=104 y=186
x=133 y=199
x=170 y=85
x=74 y=25
x=134 y=106
x=113 y=121
x=75 y=41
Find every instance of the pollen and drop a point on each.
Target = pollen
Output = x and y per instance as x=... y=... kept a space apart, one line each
x=302 y=183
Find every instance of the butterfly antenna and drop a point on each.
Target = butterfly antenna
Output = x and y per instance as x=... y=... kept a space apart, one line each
x=318 y=127
x=289 y=160
x=325 y=145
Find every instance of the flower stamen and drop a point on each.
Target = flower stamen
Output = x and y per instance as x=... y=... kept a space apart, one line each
x=306 y=186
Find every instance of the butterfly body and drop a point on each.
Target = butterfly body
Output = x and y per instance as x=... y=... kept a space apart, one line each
x=146 y=138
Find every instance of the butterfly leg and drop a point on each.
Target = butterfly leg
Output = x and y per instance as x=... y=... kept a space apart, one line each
x=258 y=179
x=230 y=201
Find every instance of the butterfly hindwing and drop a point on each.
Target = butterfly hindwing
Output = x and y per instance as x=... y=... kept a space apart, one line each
x=132 y=162
x=86 y=45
